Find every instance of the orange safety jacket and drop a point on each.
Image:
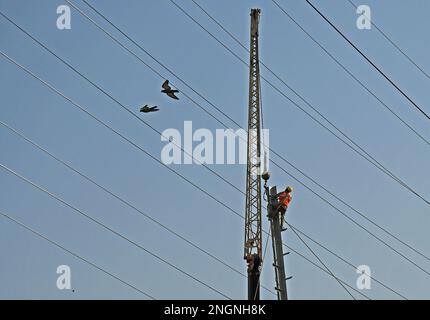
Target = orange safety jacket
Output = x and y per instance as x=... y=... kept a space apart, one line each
x=285 y=199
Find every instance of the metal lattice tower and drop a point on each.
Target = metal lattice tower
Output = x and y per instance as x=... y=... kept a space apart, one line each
x=253 y=236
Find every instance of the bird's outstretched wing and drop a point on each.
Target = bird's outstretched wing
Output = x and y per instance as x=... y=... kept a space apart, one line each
x=154 y=108
x=166 y=86
x=172 y=95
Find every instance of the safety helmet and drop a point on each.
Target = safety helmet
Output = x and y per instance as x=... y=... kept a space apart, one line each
x=289 y=189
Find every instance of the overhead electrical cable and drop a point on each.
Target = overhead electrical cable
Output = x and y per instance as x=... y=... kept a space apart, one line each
x=113 y=231
x=127 y=203
x=189 y=181
x=123 y=137
x=344 y=68
x=322 y=262
x=373 y=64
x=393 y=43
x=194 y=102
x=77 y=256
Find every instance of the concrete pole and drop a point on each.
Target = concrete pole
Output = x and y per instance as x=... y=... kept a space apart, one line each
x=278 y=254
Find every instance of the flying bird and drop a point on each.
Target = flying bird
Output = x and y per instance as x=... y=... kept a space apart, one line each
x=147 y=109
x=168 y=90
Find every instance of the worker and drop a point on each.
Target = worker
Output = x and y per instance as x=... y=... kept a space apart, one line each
x=284 y=199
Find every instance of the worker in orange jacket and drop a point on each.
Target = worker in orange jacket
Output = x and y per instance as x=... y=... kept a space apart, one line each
x=284 y=199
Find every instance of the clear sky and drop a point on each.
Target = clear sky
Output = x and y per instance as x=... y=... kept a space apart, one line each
x=28 y=264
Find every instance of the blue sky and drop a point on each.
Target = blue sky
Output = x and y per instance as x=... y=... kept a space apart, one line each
x=28 y=264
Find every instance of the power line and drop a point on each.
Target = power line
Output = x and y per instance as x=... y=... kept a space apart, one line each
x=385 y=230
x=394 y=44
x=123 y=106
x=93 y=8
x=130 y=112
x=318 y=243
x=169 y=69
x=288 y=162
x=387 y=171
x=365 y=154
x=112 y=129
x=230 y=118
x=323 y=270
x=82 y=109
x=186 y=179
x=151 y=219
x=373 y=161
x=218 y=109
x=120 y=235
x=420 y=136
x=44 y=150
x=170 y=230
x=64 y=163
x=320 y=261
x=129 y=141
x=137 y=57
x=75 y=254
x=357 y=224
x=376 y=163
x=370 y=61
x=127 y=203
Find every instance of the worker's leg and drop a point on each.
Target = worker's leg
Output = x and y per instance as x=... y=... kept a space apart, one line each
x=282 y=216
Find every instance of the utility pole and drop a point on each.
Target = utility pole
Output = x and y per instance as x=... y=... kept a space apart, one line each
x=275 y=228
x=253 y=239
